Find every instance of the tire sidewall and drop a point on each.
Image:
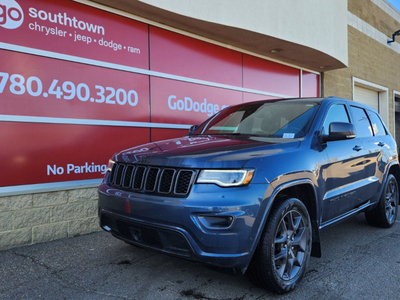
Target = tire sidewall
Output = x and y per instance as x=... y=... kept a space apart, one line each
x=382 y=204
x=271 y=231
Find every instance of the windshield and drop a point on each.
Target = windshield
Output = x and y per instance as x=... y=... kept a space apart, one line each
x=266 y=119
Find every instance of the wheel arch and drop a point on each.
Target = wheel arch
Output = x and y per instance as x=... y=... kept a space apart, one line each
x=395 y=170
x=304 y=190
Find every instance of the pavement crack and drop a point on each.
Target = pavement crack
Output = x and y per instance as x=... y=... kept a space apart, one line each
x=67 y=283
x=32 y=259
x=112 y=296
x=193 y=293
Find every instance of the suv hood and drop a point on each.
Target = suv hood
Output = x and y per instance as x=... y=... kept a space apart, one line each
x=205 y=151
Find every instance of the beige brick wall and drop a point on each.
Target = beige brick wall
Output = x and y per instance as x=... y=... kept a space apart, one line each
x=373 y=15
x=35 y=218
x=369 y=60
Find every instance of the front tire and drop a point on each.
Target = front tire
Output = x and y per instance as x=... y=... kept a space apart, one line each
x=385 y=213
x=284 y=250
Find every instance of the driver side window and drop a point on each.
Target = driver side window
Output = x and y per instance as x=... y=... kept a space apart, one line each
x=337 y=113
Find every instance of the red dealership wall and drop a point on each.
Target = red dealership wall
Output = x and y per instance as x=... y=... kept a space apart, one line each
x=78 y=84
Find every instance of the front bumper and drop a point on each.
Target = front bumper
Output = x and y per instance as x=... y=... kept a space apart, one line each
x=213 y=225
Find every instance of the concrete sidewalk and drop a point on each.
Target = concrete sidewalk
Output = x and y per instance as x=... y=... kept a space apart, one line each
x=359 y=262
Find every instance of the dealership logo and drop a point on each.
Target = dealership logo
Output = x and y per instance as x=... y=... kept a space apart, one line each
x=11 y=14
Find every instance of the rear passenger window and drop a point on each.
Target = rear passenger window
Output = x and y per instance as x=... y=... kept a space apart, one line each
x=337 y=113
x=361 y=121
x=377 y=126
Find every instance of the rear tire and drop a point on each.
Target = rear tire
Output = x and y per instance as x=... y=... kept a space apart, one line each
x=282 y=255
x=385 y=213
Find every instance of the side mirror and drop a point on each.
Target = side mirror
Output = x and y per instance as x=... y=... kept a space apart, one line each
x=340 y=131
x=193 y=128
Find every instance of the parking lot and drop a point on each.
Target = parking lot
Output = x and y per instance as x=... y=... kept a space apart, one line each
x=358 y=262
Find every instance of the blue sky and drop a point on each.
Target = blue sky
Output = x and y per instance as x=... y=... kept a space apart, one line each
x=395 y=3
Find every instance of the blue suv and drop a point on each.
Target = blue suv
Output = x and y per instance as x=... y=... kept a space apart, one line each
x=251 y=187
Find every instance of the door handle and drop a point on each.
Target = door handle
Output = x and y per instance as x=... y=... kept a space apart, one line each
x=381 y=144
x=357 y=148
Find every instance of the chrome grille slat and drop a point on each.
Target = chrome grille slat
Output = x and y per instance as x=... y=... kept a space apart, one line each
x=113 y=174
x=128 y=176
x=119 y=173
x=183 y=182
x=152 y=180
x=166 y=181
x=139 y=177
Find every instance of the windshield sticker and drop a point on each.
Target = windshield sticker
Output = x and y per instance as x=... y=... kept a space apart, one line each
x=288 y=135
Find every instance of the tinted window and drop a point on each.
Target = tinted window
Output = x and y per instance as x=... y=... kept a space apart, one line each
x=377 y=125
x=361 y=121
x=337 y=113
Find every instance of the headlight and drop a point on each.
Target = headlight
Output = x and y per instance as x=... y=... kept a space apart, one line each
x=110 y=164
x=226 y=178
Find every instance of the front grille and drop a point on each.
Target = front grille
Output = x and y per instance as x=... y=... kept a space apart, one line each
x=152 y=180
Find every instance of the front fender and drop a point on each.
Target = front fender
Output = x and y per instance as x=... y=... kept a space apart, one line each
x=298 y=188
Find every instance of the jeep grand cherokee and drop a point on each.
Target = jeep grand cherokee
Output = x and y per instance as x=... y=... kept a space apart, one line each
x=251 y=187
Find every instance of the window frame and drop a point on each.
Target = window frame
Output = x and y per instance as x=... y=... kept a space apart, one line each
x=349 y=117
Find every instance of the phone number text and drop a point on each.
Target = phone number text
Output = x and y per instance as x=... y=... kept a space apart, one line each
x=67 y=90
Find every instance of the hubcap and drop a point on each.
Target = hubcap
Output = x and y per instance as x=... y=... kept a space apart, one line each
x=291 y=243
x=391 y=201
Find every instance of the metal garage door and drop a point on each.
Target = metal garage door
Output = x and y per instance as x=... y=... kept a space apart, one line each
x=366 y=96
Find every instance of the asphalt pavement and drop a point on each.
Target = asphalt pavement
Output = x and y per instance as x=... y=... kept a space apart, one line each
x=358 y=262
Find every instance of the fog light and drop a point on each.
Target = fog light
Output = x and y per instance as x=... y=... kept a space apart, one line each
x=216 y=222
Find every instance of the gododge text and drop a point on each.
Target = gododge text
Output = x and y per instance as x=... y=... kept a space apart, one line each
x=187 y=104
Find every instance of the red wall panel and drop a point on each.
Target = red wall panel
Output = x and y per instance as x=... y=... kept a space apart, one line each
x=187 y=103
x=38 y=86
x=310 y=84
x=71 y=28
x=40 y=153
x=35 y=85
x=184 y=56
x=264 y=75
x=248 y=97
